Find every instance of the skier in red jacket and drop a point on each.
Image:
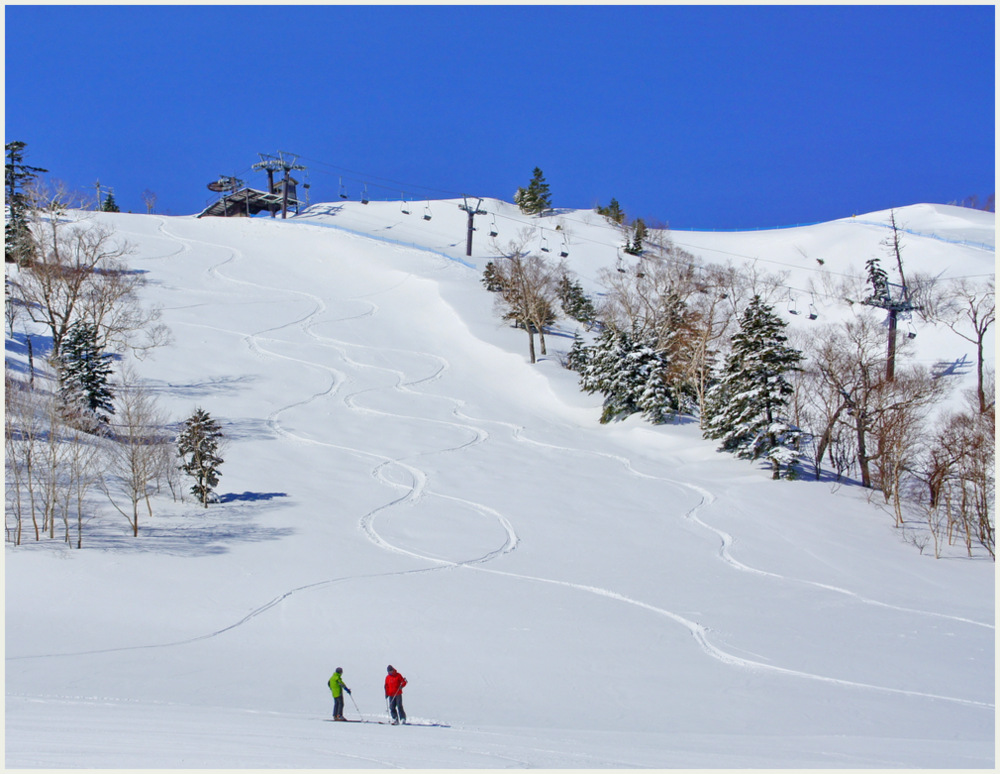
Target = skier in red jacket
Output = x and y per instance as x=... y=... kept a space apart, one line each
x=394 y=683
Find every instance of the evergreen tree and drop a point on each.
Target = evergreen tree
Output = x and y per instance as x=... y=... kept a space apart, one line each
x=490 y=279
x=577 y=357
x=198 y=446
x=745 y=408
x=633 y=246
x=632 y=375
x=18 y=243
x=879 y=280
x=612 y=212
x=575 y=302
x=84 y=373
x=535 y=198
x=110 y=205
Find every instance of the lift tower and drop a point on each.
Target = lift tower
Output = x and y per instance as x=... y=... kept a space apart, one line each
x=895 y=299
x=473 y=210
x=284 y=162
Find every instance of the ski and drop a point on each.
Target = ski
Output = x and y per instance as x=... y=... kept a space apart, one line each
x=387 y=723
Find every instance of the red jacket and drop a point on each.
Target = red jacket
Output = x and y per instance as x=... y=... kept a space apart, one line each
x=394 y=683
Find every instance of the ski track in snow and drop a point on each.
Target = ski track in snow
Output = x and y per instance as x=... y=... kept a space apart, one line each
x=727 y=540
x=417 y=485
x=700 y=632
x=417 y=488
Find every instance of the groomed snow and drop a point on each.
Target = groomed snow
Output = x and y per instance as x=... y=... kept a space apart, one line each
x=402 y=487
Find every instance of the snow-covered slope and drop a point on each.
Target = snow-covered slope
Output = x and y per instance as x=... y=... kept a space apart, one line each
x=402 y=488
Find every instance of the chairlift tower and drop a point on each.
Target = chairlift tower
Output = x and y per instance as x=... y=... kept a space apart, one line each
x=284 y=162
x=894 y=306
x=882 y=297
x=473 y=210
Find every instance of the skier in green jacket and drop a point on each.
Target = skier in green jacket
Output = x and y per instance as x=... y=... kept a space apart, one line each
x=337 y=688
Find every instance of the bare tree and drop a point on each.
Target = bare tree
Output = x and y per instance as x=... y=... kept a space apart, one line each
x=527 y=290
x=969 y=309
x=21 y=431
x=850 y=363
x=819 y=403
x=717 y=314
x=898 y=427
x=12 y=305
x=651 y=301
x=959 y=470
x=137 y=451
x=66 y=268
x=83 y=471
x=77 y=273
x=149 y=199
x=641 y=295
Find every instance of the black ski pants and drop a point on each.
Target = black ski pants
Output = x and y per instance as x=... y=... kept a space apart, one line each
x=338 y=706
x=396 y=708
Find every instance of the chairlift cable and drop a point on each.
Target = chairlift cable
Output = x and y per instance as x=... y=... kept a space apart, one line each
x=595 y=242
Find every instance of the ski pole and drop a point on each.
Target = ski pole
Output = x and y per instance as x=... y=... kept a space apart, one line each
x=354 y=703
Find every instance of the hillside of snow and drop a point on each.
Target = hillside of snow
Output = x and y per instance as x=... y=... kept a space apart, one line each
x=402 y=487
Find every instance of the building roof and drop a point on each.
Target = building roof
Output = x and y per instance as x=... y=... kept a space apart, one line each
x=247 y=201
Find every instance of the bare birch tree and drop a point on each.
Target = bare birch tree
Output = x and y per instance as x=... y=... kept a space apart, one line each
x=969 y=309
x=138 y=450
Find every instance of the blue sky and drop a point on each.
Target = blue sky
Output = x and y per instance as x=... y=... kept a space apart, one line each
x=697 y=116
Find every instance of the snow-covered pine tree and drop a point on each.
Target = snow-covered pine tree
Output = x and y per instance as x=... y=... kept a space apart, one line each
x=633 y=246
x=631 y=374
x=578 y=355
x=84 y=378
x=536 y=198
x=490 y=279
x=18 y=242
x=575 y=302
x=879 y=280
x=521 y=198
x=198 y=446
x=745 y=409
x=605 y=371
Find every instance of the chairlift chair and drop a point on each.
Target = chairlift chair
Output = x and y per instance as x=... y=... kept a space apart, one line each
x=493 y=226
x=791 y=306
x=545 y=244
x=364 y=194
x=403 y=206
x=427 y=211
x=564 y=253
x=343 y=190
x=813 y=314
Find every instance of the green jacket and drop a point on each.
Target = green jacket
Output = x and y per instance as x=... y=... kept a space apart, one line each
x=336 y=684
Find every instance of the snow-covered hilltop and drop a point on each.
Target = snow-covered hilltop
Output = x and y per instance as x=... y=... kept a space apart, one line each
x=402 y=487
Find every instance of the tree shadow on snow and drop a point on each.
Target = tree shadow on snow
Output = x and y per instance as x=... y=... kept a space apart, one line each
x=250 y=496
x=197 y=532
x=222 y=385
x=18 y=345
